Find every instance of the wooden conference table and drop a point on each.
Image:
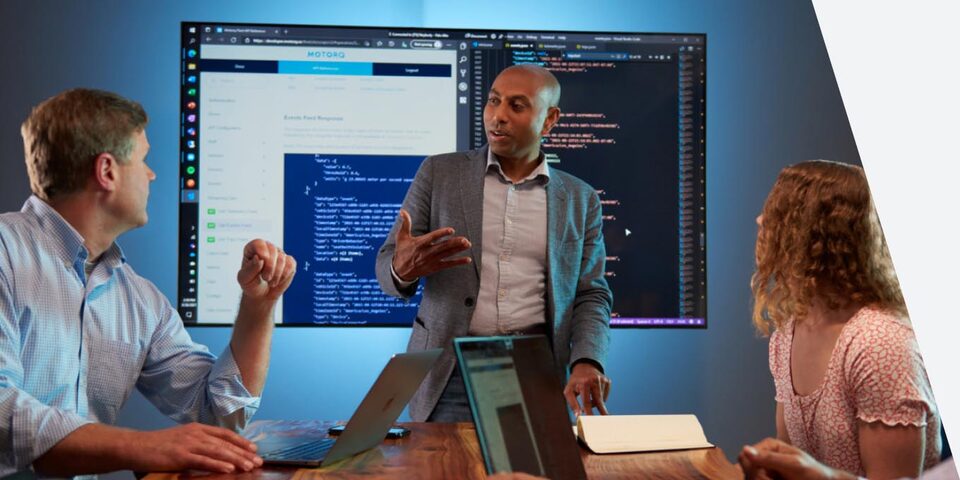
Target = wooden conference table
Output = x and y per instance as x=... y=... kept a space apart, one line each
x=450 y=450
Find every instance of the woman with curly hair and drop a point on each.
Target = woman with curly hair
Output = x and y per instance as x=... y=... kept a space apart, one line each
x=851 y=389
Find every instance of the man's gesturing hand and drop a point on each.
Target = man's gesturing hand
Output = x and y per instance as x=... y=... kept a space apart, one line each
x=593 y=387
x=429 y=253
x=193 y=447
x=266 y=271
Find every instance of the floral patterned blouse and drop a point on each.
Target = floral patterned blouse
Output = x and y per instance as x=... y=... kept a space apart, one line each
x=875 y=374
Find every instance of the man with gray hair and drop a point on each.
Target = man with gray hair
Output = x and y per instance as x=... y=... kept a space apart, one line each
x=79 y=329
x=535 y=244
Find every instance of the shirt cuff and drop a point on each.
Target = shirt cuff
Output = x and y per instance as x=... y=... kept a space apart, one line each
x=588 y=361
x=401 y=284
x=232 y=404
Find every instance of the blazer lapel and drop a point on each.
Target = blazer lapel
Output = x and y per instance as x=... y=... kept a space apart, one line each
x=556 y=228
x=556 y=214
x=471 y=197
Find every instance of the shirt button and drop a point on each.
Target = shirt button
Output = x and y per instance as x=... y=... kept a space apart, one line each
x=502 y=293
x=468 y=301
x=504 y=257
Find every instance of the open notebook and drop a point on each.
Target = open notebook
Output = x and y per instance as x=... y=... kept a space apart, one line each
x=640 y=433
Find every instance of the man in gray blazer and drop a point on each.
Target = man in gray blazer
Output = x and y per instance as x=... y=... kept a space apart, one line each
x=536 y=255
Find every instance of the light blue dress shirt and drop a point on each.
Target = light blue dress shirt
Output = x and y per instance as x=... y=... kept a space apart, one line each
x=73 y=347
x=513 y=270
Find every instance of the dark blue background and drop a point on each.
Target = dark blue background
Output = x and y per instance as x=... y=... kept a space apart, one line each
x=307 y=180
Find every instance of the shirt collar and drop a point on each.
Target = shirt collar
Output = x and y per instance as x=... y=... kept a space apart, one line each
x=542 y=171
x=68 y=241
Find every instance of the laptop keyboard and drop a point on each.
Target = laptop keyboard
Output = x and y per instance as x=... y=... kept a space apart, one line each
x=314 y=450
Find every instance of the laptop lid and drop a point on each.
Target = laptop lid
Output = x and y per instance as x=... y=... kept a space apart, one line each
x=388 y=396
x=518 y=407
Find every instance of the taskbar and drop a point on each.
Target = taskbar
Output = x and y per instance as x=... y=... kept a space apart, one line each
x=657 y=322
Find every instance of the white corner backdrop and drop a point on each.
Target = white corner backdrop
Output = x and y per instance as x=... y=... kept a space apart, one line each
x=896 y=67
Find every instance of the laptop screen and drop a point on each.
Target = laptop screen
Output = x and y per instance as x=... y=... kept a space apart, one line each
x=517 y=402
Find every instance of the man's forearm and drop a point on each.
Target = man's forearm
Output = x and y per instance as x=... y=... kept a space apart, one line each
x=92 y=448
x=590 y=332
x=250 y=343
x=98 y=448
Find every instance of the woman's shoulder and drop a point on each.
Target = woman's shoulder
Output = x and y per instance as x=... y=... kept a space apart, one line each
x=781 y=333
x=874 y=320
x=878 y=333
x=779 y=347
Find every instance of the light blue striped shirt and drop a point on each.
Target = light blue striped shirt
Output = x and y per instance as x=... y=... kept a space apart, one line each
x=72 y=348
x=513 y=270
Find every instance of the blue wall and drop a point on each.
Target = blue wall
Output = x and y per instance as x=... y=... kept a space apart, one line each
x=772 y=100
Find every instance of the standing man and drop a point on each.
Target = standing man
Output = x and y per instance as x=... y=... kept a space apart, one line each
x=79 y=329
x=535 y=243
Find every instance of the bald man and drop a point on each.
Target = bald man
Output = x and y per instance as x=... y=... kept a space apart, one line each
x=505 y=245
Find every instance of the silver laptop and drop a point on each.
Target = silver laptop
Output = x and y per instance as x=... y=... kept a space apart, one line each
x=369 y=424
x=516 y=397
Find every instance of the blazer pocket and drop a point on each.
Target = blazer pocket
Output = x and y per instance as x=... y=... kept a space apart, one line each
x=571 y=247
x=568 y=256
x=419 y=336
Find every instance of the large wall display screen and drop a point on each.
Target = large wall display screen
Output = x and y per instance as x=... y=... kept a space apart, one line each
x=309 y=136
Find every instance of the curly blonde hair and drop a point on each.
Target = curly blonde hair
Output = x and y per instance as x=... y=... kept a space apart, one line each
x=820 y=237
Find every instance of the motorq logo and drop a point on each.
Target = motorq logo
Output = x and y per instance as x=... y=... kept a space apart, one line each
x=326 y=54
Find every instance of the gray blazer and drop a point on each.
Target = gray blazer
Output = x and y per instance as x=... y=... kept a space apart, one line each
x=448 y=192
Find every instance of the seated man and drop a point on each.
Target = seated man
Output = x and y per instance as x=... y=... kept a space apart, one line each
x=79 y=328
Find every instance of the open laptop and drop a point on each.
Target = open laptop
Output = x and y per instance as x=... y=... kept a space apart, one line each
x=367 y=427
x=516 y=398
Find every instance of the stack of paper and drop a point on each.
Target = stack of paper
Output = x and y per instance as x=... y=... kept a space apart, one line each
x=640 y=433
